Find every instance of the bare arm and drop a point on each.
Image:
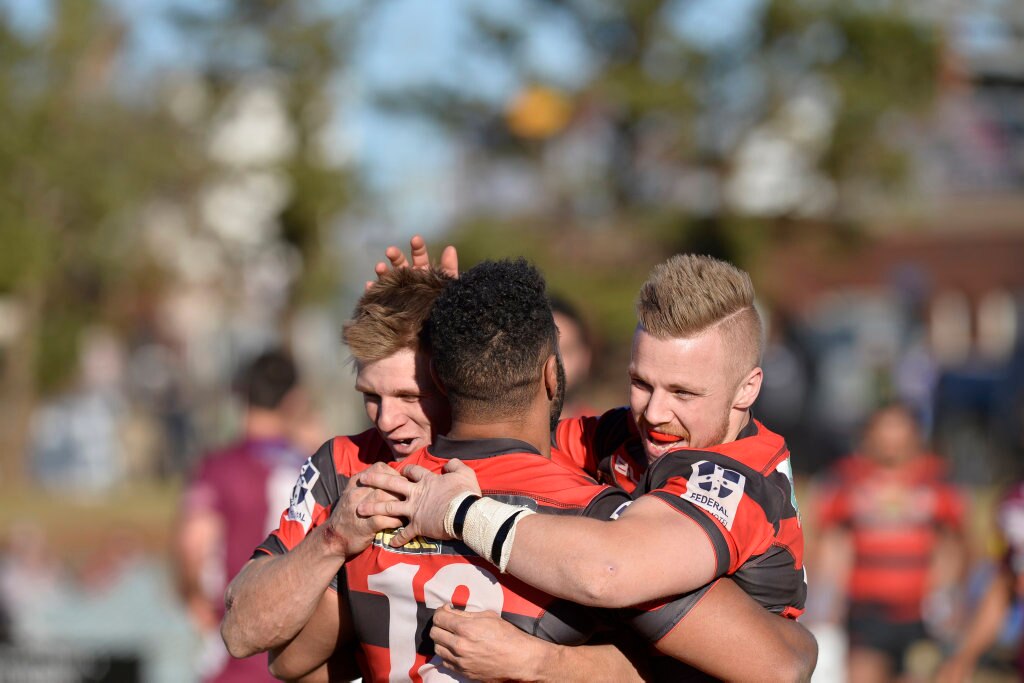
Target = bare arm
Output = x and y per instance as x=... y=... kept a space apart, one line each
x=482 y=646
x=648 y=553
x=982 y=631
x=272 y=598
x=591 y=562
x=770 y=643
x=323 y=650
x=198 y=533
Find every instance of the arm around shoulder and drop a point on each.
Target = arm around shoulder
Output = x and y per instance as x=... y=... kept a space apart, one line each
x=650 y=552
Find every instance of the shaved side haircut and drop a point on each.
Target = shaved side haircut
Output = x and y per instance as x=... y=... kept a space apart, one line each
x=390 y=315
x=691 y=294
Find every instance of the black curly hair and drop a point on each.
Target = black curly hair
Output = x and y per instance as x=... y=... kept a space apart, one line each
x=489 y=334
x=267 y=379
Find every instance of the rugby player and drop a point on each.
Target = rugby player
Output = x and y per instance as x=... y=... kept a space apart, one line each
x=268 y=607
x=277 y=591
x=716 y=497
x=234 y=496
x=735 y=611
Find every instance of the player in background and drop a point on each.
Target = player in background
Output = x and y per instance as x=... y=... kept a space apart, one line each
x=890 y=513
x=987 y=623
x=278 y=590
x=576 y=346
x=234 y=497
x=483 y=389
x=719 y=497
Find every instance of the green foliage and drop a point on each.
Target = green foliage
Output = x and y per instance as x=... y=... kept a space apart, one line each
x=599 y=271
x=304 y=53
x=79 y=164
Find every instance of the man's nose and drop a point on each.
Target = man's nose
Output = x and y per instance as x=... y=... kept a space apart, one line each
x=657 y=411
x=390 y=416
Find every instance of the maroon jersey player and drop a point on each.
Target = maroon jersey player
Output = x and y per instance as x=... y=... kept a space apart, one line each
x=234 y=497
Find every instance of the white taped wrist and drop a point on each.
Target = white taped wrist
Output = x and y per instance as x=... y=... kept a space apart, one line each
x=489 y=529
x=453 y=509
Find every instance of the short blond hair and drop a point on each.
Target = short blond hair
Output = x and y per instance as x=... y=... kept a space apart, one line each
x=390 y=315
x=689 y=294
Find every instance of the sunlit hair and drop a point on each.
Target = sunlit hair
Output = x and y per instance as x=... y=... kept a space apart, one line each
x=490 y=333
x=390 y=315
x=690 y=294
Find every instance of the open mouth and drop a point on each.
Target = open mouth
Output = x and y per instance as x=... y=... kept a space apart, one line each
x=661 y=437
x=404 y=447
x=658 y=443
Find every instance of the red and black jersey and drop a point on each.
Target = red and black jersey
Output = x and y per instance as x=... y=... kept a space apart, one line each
x=895 y=515
x=392 y=592
x=607 y=447
x=741 y=495
x=321 y=480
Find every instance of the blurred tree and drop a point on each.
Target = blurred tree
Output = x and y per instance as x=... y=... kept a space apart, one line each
x=216 y=174
x=300 y=49
x=698 y=125
x=79 y=163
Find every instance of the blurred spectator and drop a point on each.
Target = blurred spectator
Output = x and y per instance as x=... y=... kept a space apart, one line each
x=789 y=376
x=990 y=617
x=576 y=347
x=233 y=501
x=29 y=574
x=890 y=542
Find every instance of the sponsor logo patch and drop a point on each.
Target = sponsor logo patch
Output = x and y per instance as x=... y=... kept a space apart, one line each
x=619 y=510
x=300 y=509
x=716 y=490
x=417 y=546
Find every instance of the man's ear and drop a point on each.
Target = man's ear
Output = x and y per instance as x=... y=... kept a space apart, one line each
x=748 y=389
x=551 y=377
x=437 y=380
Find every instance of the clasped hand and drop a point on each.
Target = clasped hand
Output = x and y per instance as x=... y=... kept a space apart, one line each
x=417 y=495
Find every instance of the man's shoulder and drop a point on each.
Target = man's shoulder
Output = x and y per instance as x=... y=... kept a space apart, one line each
x=553 y=485
x=757 y=447
x=224 y=459
x=354 y=453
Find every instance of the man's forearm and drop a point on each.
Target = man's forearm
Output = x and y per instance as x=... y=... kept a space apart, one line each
x=652 y=553
x=586 y=663
x=271 y=599
x=983 y=630
x=323 y=649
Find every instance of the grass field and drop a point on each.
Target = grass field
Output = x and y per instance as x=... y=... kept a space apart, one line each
x=137 y=515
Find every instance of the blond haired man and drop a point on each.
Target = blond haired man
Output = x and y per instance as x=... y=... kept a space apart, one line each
x=275 y=594
x=713 y=487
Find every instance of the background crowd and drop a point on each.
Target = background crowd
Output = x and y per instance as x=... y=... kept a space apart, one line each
x=189 y=184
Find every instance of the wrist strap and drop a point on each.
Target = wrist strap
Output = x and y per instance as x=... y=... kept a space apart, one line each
x=455 y=516
x=489 y=529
